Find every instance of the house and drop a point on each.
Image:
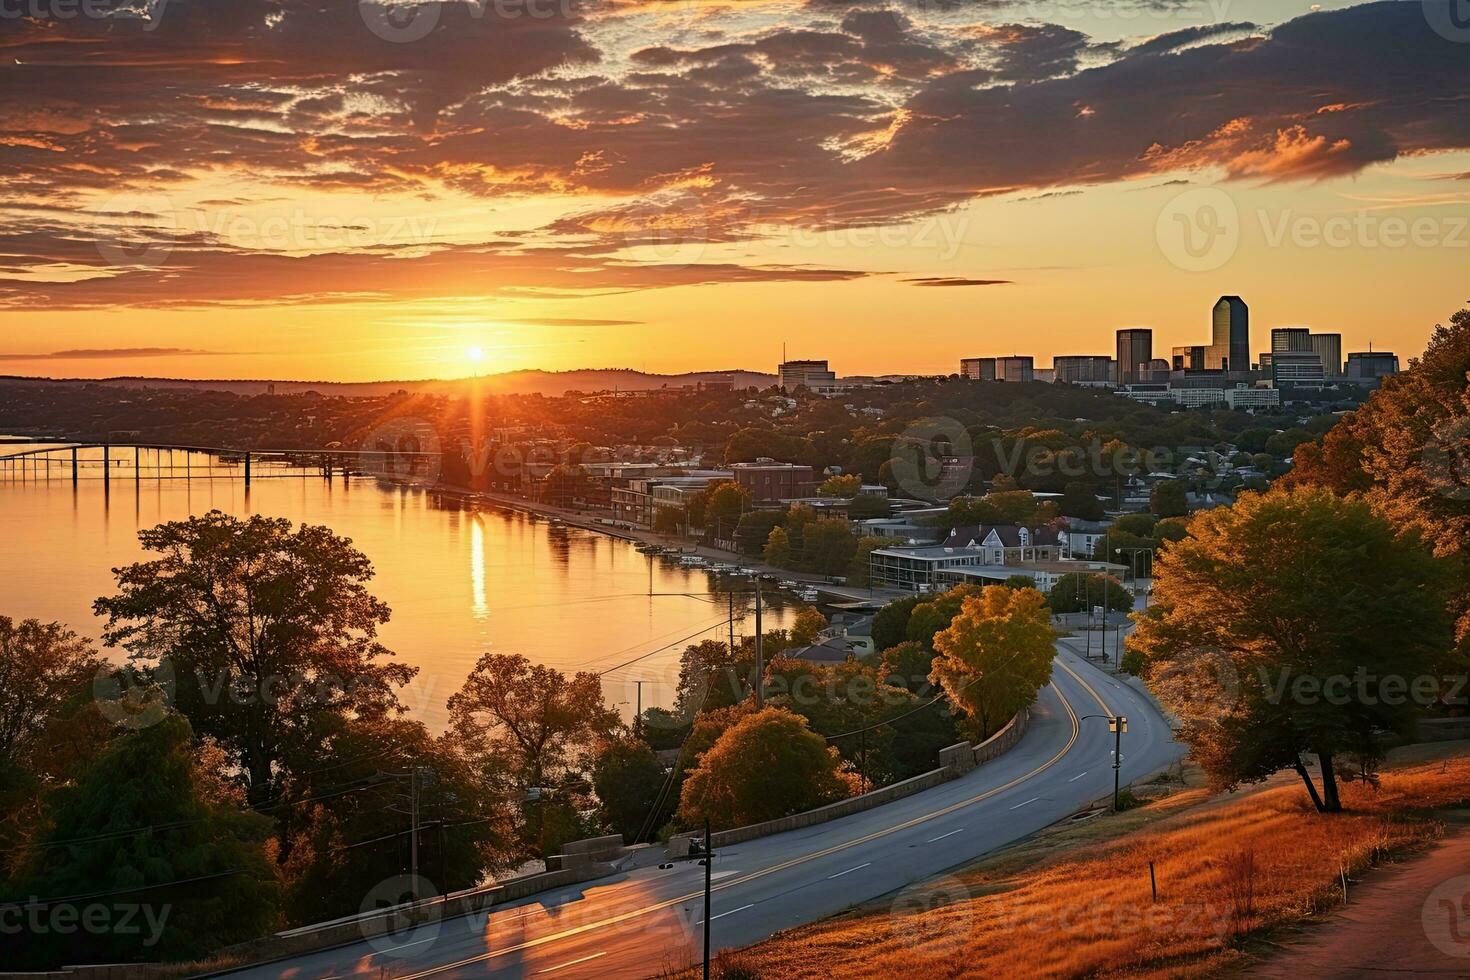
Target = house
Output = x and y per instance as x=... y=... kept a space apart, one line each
x=1008 y=544
x=833 y=650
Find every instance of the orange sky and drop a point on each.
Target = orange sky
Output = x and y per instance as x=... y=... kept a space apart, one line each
x=691 y=186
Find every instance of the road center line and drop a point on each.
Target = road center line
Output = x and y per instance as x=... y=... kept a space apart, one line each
x=850 y=871
x=1019 y=805
x=943 y=836
x=563 y=966
x=723 y=914
x=1078 y=776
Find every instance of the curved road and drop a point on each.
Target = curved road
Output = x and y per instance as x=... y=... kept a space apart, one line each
x=641 y=922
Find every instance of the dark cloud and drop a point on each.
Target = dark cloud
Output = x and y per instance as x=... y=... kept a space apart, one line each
x=953 y=281
x=1189 y=35
x=85 y=353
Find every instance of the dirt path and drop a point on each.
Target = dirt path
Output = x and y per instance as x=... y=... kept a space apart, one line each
x=1412 y=919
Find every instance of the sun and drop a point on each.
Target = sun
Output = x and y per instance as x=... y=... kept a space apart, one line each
x=475 y=354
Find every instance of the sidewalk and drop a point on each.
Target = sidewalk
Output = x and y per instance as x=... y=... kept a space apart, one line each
x=1410 y=919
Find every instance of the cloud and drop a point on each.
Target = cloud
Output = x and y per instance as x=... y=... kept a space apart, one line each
x=108 y=353
x=954 y=281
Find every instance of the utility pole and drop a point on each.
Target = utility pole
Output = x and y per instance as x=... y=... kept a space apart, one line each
x=731 y=597
x=638 y=715
x=760 y=659
x=708 y=866
x=413 y=832
x=1119 y=725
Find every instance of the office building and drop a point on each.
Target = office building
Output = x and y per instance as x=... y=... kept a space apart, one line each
x=1157 y=372
x=1372 y=365
x=978 y=368
x=767 y=480
x=1135 y=352
x=1298 y=369
x=1015 y=369
x=1251 y=398
x=1287 y=340
x=812 y=375
x=1230 y=345
x=1083 y=369
x=1329 y=347
x=1190 y=358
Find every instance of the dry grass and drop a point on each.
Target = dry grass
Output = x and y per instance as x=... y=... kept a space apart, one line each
x=1076 y=901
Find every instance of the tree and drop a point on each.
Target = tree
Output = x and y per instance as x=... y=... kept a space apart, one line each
x=200 y=873
x=263 y=626
x=1292 y=623
x=778 y=548
x=1170 y=498
x=41 y=669
x=908 y=663
x=712 y=676
x=828 y=545
x=840 y=486
x=670 y=521
x=528 y=717
x=930 y=617
x=996 y=655
x=768 y=765
x=727 y=501
x=891 y=623
x=805 y=626
x=754 y=530
x=1080 y=500
x=859 y=569
x=339 y=846
x=1079 y=592
x=630 y=784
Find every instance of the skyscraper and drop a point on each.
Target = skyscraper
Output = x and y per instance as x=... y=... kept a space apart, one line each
x=1287 y=340
x=1230 y=346
x=1135 y=351
x=1329 y=347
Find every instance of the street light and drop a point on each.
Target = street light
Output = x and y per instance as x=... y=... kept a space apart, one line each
x=1117 y=724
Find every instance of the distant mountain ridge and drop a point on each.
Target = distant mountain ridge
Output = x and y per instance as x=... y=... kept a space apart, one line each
x=524 y=382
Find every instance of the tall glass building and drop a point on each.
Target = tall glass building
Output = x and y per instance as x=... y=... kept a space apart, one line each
x=1135 y=351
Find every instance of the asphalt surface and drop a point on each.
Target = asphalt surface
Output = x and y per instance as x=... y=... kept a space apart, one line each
x=642 y=922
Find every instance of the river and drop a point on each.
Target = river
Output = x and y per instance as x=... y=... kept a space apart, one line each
x=462 y=579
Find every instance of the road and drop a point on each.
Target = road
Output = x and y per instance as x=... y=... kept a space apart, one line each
x=639 y=923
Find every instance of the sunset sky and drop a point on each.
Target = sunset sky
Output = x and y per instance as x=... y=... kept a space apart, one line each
x=320 y=189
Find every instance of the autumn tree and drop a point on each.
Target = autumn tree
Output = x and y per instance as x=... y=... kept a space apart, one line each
x=530 y=729
x=778 y=548
x=261 y=626
x=711 y=676
x=42 y=666
x=846 y=485
x=996 y=655
x=1290 y=624
x=806 y=625
x=727 y=501
x=768 y=765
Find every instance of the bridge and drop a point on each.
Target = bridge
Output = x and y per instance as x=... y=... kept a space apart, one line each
x=108 y=461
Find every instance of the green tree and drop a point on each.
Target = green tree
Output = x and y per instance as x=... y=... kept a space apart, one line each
x=630 y=784
x=1077 y=592
x=670 y=521
x=891 y=623
x=767 y=765
x=712 y=676
x=996 y=655
x=1170 y=498
x=778 y=548
x=1080 y=500
x=199 y=870
x=727 y=502
x=754 y=530
x=859 y=569
x=1293 y=623
x=263 y=627
x=828 y=545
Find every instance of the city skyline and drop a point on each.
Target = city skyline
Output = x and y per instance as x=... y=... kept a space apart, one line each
x=674 y=187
